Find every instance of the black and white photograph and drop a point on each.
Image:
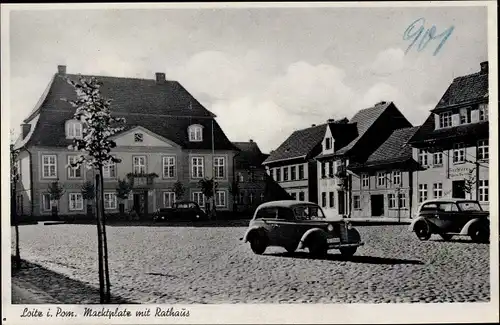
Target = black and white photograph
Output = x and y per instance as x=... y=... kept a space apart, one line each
x=208 y=162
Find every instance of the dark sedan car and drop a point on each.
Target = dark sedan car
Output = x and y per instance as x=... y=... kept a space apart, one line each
x=182 y=210
x=452 y=217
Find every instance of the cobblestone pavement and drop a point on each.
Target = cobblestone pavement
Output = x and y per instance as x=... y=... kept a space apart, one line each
x=211 y=265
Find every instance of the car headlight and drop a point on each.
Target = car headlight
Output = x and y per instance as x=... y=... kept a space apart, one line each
x=348 y=225
x=330 y=227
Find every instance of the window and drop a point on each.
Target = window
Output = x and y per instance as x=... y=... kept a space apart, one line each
x=301 y=171
x=422 y=157
x=328 y=143
x=323 y=199
x=483 y=150
x=197 y=167
x=365 y=180
x=74 y=172
x=168 y=199
x=356 y=202
x=294 y=196
x=261 y=197
x=251 y=176
x=293 y=173
x=109 y=201
x=169 y=167
x=465 y=115
x=49 y=166
x=301 y=196
x=138 y=137
x=271 y=173
x=46 y=205
x=483 y=190
x=220 y=198
x=278 y=174
x=109 y=170
x=422 y=192
x=285 y=174
x=332 y=199
x=195 y=133
x=392 y=200
x=75 y=201
x=323 y=169
x=380 y=179
x=437 y=190
x=437 y=158
x=139 y=164
x=331 y=168
x=241 y=197
x=199 y=198
x=396 y=177
x=73 y=130
x=250 y=198
x=402 y=200
x=241 y=178
x=445 y=120
x=458 y=153
x=219 y=167
x=483 y=112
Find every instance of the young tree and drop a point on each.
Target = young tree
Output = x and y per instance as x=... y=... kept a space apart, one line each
x=56 y=191
x=14 y=178
x=88 y=194
x=178 y=190
x=470 y=183
x=207 y=186
x=93 y=110
x=122 y=191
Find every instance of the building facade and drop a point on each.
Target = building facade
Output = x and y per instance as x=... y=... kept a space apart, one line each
x=452 y=146
x=169 y=137
x=292 y=164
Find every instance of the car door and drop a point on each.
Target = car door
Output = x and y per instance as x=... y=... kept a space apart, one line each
x=286 y=230
x=446 y=216
x=269 y=218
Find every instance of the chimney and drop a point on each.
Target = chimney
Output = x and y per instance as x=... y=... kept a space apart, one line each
x=484 y=67
x=313 y=125
x=330 y=120
x=160 y=78
x=251 y=140
x=61 y=69
x=380 y=103
x=25 y=129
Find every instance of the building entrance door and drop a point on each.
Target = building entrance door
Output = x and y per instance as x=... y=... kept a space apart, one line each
x=341 y=199
x=377 y=205
x=140 y=203
x=458 y=189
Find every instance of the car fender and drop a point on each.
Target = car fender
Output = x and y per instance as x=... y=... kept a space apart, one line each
x=465 y=229
x=412 y=225
x=311 y=232
x=257 y=229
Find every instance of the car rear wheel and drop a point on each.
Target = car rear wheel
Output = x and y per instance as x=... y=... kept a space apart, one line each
x=348 y=251
x=422 y=230
x=258 y=244
x=446 y=237
x=479 y=233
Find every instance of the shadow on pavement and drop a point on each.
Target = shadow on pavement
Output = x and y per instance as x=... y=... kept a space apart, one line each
x=354 y=259
x=457 y=240
x=201 y=224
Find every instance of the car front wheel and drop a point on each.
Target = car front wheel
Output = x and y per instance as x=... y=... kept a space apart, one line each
x=317 y=247
x=348 y=251
x=479 y=233
x=258 y=244
x=422 y=230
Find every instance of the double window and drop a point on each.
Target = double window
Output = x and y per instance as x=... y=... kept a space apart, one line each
x=197 y=170
x=465 y=115
x=483 y=150
x=74 y=172
x=49 y=166
x=75 y=201
x=293 y=173
x=437 y=189
x=332 y=199
x=365 y=180
x=422 y=192
x=110 y=201
x=220 y=198
x=445 y=120
x=458 y=153
x=195 y=133
x=483 y=190
x=74 y=130
x=219 y=167
x=356 y=202
x=392 y=200
x=199 y=198
x=139 y=164
x=483 y=112
x=381 y=179
x=169 y=167
x=301 y=171
x=422 y=158
x=437 y=158
x=168 y=199
x=396 y=177
x=109 y=170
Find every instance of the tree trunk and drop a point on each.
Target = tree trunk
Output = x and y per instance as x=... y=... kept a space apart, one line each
x=15 y=219
x=105 y=242
x=100 y=252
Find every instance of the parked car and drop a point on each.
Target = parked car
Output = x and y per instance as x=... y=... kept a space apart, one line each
x=452 y=217
x=182 y=210
x=296 y=225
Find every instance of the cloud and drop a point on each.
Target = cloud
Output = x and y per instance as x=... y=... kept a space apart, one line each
x=388 y=62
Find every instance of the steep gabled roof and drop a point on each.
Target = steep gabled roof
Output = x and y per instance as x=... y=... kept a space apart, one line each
x=249 y=155
x=299 y=144
x=364 y=119
x=164 y=108
x=395 y=148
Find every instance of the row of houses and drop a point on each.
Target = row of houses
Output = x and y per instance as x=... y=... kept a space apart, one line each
x=377 y=164
x=169 y=138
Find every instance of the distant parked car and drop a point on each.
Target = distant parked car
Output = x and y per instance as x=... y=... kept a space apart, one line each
x=296 y=225
x=182 y=210
x=452 y=217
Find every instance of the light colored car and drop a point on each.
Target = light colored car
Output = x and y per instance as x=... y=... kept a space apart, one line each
x=296 y=225
x=452 y=217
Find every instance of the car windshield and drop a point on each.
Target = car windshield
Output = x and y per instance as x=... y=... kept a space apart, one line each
x=308 y=212
x=469 y=206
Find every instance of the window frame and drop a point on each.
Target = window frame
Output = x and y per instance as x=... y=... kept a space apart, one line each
x=114 y=202
x=199 y=194
x=381 y=176
x=397 y=174
x=483 y=112
x=195 y=133
x=169 y=170
x=218 y=168
x=49 y=164
x=217 y=198
x=73 y=170
x=402 y=199
x=171 y=198
x=392 y=201
x=459 y=148
x=437 y=188
x=356 y=202
x=195 y=175
x=293 y=173
x=483 y=188
x=323 y=199
x=445 y=117
x=422 y=188
x=365 y=177
x=434 y=160
x=134 y=165
x=331 y=199
x=70 y=195
x=45 y=198
x=301 y=172
x=286 y=174
x=106 y=170
x=423 y=155
x=484 y=149
x=74 y=129
x=466 y=116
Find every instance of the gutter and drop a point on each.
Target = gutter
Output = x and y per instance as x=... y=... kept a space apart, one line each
x=284 y=159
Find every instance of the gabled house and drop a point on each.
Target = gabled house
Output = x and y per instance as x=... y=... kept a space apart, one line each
x=168 y=138
x=382 y=185
x=367 y=130
x=452 y=146
x=292 y=164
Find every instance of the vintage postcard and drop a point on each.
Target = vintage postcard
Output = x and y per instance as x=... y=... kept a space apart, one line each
x=250 y=163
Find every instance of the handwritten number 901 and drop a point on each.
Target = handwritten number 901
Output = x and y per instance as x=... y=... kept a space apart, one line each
x=425 y=37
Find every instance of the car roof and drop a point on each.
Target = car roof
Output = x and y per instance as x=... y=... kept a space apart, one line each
x=448 y=200
x=285 y=204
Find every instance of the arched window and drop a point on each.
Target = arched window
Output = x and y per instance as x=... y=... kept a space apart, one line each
x=195 y=132
x=73 y=129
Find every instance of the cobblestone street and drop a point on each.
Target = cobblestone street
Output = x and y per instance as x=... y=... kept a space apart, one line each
x=211 y=265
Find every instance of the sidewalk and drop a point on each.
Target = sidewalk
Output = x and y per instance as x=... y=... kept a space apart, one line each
x=25 y=293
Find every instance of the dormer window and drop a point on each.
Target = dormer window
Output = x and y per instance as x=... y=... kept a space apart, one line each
x=195 y=133
x=328 y=143
x=445 y=120
x=483 y=112
x=138 y=137
x=73 y=129
x=465 y=115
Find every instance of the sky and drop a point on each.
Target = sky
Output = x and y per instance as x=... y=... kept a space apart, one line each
x=264 y=72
